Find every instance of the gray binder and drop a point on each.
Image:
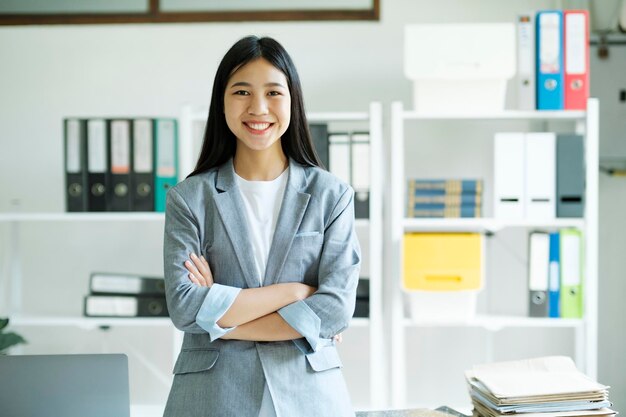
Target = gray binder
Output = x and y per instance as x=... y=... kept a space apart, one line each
x=570 y=176
x=538 y=266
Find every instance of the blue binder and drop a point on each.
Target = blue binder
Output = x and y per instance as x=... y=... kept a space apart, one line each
x=550 y=78
x=554 y=277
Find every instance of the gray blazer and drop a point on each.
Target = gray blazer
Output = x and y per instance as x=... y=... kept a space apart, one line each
x=314 y=243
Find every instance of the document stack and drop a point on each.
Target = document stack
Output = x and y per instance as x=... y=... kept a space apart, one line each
x=540 y=387
x=445 y=198
x=121 y=295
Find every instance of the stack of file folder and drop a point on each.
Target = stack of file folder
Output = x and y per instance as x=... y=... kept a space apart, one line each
x=444 y=197
x=540 y=387
x=122 y=295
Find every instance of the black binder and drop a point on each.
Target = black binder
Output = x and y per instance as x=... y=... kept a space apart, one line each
x=124 y=306
x=362 y=306
x=118 y=172
x=142 y=168
x=97 y=163
x=75 y=136
x=319 y=136
x=125 y=284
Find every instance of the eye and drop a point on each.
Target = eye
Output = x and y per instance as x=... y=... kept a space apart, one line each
x=241 y=93
x=274 y=93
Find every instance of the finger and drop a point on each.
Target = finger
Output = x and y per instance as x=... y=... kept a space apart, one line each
x=194 y=279
x=208 y=268
x=202 y=267
x=192 y=268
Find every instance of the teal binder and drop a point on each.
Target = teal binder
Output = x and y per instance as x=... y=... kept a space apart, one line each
x=166 y=160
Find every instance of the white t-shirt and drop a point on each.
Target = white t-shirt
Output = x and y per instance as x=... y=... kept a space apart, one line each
x=262 y=200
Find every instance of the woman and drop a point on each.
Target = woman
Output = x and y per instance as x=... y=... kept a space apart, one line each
x=261 y=258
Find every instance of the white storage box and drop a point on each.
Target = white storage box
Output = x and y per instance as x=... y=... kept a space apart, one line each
x=444 y=306
x=459 y=68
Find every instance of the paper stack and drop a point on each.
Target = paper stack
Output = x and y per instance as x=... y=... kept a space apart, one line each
x=541 y=387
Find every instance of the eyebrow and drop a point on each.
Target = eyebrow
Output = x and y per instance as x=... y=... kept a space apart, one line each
x=246 y=84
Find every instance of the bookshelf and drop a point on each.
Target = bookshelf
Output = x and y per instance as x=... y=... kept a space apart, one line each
x=584 y=330
x=362 y=332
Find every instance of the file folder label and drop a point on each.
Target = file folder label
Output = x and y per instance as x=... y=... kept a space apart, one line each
x=550 y=41
x=575 y=43
x=120 y=147
x=97 y=146
x=72 y=164
x=166 y=155
x=142 y=155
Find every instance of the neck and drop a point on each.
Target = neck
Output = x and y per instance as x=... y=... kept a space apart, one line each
x=260 y=166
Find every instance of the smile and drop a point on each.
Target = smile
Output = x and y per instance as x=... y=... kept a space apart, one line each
x=258 y=127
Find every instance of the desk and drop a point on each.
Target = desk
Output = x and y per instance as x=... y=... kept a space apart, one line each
x=417 y=412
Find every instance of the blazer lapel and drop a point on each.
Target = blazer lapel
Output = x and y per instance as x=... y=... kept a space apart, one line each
x=231 y=209
x=289 y=218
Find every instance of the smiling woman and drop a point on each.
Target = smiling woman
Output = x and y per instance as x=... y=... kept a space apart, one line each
x=261 y=256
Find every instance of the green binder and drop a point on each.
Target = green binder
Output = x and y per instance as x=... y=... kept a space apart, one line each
x=166 y=160
x=572 y=273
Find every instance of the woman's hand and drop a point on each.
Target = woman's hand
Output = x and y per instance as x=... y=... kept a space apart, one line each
x=199 y=271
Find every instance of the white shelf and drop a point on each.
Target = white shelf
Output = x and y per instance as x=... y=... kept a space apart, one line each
x=482 y=225
x=503 y=115
x=86 y=216
x=586 y=123
x=495 y=323
x=337 y=117
x=89 y=322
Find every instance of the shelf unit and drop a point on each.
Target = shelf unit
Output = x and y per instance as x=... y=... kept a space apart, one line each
x=191 y=129
x=586 y=329
x=11 y=289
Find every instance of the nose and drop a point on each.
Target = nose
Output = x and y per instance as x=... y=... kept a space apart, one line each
x=258 y=105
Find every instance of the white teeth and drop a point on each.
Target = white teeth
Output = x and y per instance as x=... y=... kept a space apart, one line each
x=259 y=126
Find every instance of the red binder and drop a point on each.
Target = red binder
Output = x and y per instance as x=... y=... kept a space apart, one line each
x=576 y=47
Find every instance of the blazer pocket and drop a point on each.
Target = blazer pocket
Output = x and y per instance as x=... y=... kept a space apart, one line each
x=324 y=359
x=195 y=360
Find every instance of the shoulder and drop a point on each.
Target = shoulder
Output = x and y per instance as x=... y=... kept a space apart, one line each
x=326 y=189
x=193 y=186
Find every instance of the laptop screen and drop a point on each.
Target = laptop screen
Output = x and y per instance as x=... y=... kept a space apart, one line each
x=64 y=386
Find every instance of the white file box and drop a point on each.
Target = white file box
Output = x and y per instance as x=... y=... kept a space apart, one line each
x=459 y=68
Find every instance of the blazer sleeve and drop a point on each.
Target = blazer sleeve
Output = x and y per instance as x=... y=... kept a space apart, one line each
x=328 y=311
x=192 y=308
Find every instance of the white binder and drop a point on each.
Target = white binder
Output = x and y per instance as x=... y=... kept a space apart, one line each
x=509 y=175
x=538 y=262
x=526 y=94
x=540 y=175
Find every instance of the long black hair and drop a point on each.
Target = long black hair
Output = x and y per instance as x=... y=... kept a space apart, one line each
x=219 y=142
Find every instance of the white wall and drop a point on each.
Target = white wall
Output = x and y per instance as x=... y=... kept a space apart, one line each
x=51 y=72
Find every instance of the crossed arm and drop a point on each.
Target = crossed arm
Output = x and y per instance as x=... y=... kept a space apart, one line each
x=253 y=313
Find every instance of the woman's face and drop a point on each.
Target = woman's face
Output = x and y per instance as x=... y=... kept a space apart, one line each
x=257 y=105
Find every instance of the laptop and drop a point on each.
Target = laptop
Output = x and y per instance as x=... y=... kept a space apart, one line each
x=64 y=386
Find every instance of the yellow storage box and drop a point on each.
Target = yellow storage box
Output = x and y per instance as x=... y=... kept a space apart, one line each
x=442 y=274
